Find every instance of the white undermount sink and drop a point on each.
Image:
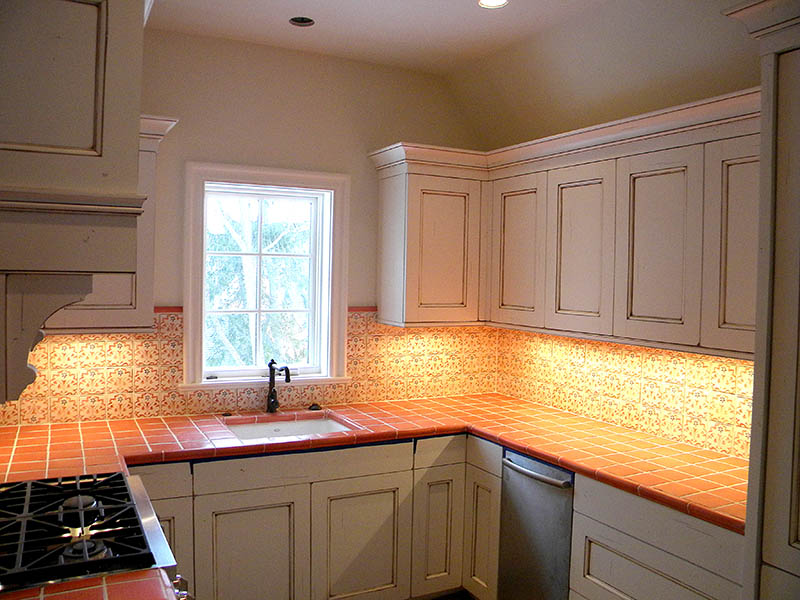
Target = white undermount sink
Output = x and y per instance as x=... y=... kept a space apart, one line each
x=249 y=432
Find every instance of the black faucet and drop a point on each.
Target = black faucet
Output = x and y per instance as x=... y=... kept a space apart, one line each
x=272 y=395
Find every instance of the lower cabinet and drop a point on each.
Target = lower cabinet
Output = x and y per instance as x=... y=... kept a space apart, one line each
x=175 y=517
x=438 y=529
x=361 y=536
x=625 y=547
x=253 y=544
x=481 y=533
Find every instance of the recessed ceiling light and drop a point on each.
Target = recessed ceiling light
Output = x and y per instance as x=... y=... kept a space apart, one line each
x=301 y=21
x=492 y=3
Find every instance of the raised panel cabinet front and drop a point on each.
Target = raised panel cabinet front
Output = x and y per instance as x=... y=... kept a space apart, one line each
x=730 y=241
x=361 y=537
x=659 y=246
x=580 y=248
x=443 y=249
x=253 y=545
x=175 y=518
x=438 y=529
x=519 y=207
x=481 y=533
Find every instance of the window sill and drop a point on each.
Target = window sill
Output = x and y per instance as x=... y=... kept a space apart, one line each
x=251 y=382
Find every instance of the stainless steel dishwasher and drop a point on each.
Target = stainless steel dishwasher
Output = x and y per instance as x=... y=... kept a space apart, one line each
x=535 y=530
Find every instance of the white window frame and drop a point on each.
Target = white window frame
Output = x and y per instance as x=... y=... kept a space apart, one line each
x=197 y=174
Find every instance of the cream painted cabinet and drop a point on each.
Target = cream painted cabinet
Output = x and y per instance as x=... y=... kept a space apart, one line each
x=438 y=529
x=361 y=537
x=429 y=249
x=730 y=240
x=659 y=235
x=519 y=226
x=253 y=544
x=580 y=248
x=481 y=533
x=124 y=301
x=175 y=517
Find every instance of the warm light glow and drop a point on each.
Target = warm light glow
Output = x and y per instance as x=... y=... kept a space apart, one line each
x=492 y=3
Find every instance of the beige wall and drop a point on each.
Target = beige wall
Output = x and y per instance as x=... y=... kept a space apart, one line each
x=250 y=104
x=624 y=58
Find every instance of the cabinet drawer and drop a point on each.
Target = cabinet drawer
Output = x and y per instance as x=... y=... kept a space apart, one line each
x=485 y=455
x=171 y=480
x=699 y=542
x=432 y=452
x=285 y=469
x=610 y=565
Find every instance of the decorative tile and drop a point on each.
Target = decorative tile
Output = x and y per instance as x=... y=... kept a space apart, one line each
x=119 y=406
x=65 y=409
x=146 y=405
x=170 y=325
x=119 y=380
x=92 y=381
x=92 y=408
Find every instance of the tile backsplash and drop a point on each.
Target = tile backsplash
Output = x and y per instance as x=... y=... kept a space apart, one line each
x=702 y=400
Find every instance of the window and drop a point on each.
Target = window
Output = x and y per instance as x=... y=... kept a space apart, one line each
x=265 y=273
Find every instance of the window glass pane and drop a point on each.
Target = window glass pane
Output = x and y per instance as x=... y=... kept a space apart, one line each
x=231 y=222
x=231 y=282
x=285 y=337
x=285 y=283
x=229 y=340
x=286 y=226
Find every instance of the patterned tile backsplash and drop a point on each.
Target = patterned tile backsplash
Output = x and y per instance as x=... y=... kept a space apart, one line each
x=702 y=400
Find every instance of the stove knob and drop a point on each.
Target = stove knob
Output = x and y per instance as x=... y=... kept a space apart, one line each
x=181 y=588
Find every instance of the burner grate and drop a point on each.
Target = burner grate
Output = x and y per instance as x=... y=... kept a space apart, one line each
x=49 y=530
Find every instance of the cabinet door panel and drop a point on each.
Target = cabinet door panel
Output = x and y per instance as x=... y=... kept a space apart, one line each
x=730 y=243
x=519 y=208
x=438 y=529
x=444 y=246
x=481 y=533
x=175 y=518
x=659 y=246
x=253 y=545
x=361 y=537
x=580 y=248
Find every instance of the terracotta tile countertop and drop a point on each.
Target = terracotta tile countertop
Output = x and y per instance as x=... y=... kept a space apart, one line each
x=702 y=483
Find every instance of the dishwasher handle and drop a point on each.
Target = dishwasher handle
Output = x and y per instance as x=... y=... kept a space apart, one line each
x=559 y=483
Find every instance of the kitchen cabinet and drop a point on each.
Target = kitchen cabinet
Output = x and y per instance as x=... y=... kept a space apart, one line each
x=438 y=527
x=430 y=237
x=124 y=301
x=519 y=225
x=361 y=537
x=253 y=544
x=659 y=236
x=626 y=547
x=482 y=518
x=730 y=244
x=580 y=248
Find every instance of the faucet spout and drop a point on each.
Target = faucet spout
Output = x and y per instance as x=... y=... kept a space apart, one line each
x=272 y=394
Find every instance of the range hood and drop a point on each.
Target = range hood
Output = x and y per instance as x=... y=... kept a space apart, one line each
x=51 y=242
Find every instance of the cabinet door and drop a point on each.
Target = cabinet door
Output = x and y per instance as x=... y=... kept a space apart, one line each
x=730 y=244
x=175 y=517
x=438 y=529
x=443 y=253
x=361 y=537
x=580 y=248
x=659 y=246
x=519 y=206
x=481 y=533
x=253 y=545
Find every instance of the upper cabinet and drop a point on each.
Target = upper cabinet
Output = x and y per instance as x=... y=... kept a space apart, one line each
x=519 y=225
x=730 y=243
x=430 y=239
x=659 y=246
x=643 y=229
x=70 y=71
x=580 y=248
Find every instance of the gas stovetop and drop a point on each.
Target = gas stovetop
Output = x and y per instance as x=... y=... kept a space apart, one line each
x=54 y=529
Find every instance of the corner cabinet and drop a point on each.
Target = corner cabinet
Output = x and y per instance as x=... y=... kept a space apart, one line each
x=124 y=301
x=429 y=240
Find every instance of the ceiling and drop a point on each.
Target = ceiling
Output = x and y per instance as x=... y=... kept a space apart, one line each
x=425 y=35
